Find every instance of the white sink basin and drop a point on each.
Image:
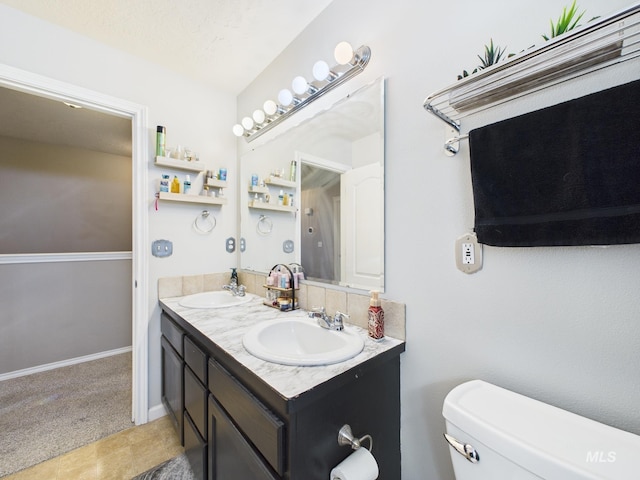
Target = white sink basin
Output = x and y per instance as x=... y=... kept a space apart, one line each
x=215 y=299
x=301 y=342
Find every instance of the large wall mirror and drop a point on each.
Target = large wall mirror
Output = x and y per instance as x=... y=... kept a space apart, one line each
x=335 y=227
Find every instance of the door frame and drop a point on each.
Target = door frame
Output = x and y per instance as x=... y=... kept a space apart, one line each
x=42 y=86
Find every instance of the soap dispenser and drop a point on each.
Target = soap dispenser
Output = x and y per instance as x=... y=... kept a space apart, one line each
x=376 y=317
x=234 y=277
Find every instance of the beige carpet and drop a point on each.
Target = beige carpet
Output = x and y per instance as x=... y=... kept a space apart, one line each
x=50 y=413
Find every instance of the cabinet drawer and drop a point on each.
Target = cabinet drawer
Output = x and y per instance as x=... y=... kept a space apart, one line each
x=230 y=455
x=259 y=425
x=195 y=401
x=196 y=359
x=172 y=332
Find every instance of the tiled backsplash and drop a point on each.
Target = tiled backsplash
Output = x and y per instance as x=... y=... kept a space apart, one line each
x=353 y=304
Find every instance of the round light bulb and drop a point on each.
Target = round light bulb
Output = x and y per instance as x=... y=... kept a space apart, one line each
x=247 y=123
x=343 y=53
x=320 y=70
x=259 y=116
x=285 y=97
x=300 y=85
x=238 y=130
x=270 y=107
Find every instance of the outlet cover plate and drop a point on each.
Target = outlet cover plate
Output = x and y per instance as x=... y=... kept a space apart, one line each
x=468 y=253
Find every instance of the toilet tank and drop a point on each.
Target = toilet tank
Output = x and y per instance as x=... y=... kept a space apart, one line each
x=519 y=438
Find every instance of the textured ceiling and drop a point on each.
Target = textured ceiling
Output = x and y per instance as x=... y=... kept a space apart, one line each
x=225 y=43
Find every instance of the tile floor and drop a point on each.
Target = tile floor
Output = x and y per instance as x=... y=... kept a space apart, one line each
x=120 y=456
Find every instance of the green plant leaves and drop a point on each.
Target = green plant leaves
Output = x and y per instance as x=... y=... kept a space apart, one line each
x=492 y=55
x=568 y=20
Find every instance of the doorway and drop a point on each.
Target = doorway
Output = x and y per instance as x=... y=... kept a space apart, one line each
x=38 y=85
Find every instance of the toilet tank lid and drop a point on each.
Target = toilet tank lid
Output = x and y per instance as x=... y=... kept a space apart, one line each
x=546 y=440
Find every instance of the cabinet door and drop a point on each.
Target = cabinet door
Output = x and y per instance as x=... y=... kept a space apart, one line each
x=172 y=385
x=195 y=448
x=231 y=457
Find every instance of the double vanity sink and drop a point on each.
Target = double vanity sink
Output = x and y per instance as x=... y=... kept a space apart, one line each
x=286 y=341
x=274 y=388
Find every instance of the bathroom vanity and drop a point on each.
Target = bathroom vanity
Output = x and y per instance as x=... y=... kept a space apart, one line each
x=245 y=418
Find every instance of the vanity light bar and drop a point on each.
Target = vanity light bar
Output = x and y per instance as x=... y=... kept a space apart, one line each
x=350 y=64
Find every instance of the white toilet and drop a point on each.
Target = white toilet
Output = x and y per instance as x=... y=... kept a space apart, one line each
x=496 y=434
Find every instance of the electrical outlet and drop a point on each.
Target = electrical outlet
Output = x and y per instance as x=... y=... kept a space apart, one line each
x=468 y=253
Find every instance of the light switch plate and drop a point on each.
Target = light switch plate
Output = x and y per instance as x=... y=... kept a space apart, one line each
x=468 y=253
x=162 y=248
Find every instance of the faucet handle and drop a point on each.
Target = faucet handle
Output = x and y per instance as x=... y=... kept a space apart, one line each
x=338 y=319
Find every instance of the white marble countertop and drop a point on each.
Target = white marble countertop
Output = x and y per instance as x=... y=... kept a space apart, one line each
x=226 y=327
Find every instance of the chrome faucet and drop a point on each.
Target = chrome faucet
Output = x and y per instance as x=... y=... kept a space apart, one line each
x=234 y=288
x=325 y=321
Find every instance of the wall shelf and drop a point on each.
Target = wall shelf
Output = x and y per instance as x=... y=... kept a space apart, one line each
x=215 y=183
x=598 y=44
x=280 y=182
x=200 y=199
x=271 y=206
x=179 y=164
x=254 y=189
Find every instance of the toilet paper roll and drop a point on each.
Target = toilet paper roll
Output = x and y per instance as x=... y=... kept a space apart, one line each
x=360 y=465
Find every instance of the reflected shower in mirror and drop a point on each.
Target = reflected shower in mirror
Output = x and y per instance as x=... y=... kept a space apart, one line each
x=332 y=208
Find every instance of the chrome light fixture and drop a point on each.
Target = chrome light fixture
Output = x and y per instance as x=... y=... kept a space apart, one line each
x=349 y=64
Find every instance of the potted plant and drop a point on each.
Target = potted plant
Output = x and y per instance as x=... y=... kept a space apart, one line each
x=492 y=55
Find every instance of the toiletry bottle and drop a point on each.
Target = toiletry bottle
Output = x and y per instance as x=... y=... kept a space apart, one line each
x=175 y=185
x=164 y=183
x=292 y=171
x=160 y=141
x=187 y=185
x=376 y=317
x=234 y=276
x=281 y=198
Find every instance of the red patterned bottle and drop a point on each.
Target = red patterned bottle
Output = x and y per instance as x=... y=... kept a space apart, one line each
x=376 y=317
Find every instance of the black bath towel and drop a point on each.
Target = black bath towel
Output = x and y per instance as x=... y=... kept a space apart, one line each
x=564 y=175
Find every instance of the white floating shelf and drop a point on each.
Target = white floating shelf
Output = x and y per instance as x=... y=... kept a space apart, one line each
x=271 y=206
x=254 y=189
x=214 y=182
x=180 y=197
x=179 y=164
x=280 y=182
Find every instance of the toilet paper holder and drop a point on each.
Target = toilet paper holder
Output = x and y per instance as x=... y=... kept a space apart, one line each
x=346 y=437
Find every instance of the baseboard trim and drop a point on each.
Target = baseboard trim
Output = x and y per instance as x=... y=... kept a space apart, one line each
x=63 y=363
x=157 y=412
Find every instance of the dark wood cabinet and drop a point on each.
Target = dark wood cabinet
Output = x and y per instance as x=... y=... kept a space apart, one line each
x=231 y=456
x=195 y=448
x=235 y=426
x=172 y=385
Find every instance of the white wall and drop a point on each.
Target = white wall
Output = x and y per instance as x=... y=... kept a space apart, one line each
x=557 y=324
x=195 y=116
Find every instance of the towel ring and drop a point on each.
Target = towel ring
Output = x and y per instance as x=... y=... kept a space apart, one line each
x=204 y=223
x=265 y=225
